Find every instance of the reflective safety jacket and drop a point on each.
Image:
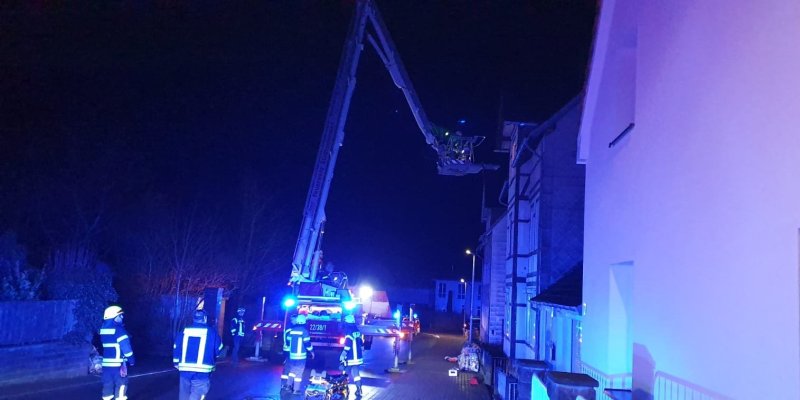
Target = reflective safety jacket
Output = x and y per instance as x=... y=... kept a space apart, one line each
x=353 y=352
x=196 y=349
x=116 y=343
x=297 y=342
x=237 y=327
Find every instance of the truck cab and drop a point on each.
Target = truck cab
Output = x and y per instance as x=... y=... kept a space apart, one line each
x=324 y=304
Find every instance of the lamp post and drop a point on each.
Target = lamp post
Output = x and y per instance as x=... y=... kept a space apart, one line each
x=463 y=309
x=471 y=294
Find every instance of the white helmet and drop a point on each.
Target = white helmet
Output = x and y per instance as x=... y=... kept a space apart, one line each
x=350 y=319
x=111 y=312
x=301 y=319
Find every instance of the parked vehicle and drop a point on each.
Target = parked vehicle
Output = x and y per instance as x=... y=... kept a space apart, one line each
x=410 y=326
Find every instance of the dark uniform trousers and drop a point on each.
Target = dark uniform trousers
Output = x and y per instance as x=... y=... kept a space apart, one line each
x=111 y=381
x=194 y=385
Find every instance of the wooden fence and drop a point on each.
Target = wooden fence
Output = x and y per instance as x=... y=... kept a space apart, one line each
x=28 y=322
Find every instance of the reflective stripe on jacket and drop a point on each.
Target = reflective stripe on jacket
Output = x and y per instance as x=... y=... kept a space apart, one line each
x=353 y=347
x=297 y=342
x=196 y=349
x=116 y=343
x=237 y=326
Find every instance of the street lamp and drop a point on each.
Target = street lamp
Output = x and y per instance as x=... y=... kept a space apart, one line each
x=365 y=292
x=472 y=294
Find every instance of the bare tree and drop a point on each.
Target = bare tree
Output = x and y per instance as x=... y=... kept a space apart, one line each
x=179 y=255
x=257 y=251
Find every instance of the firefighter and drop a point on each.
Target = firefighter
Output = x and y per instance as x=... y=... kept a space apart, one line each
x=194 y=355
x=237 y=332
x=352 y=356
x=297 y=343
x=117 y=352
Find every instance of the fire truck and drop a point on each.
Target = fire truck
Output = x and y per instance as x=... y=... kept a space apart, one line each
x=326 y=299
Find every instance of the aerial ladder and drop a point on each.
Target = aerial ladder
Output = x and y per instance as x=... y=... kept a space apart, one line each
x=455 y=153
x=325 y=299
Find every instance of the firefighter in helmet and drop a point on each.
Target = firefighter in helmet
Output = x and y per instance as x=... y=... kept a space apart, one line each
x=117 y=352
x=194 y=354
x=352 y=356
x=237 y=333
x=297 y=343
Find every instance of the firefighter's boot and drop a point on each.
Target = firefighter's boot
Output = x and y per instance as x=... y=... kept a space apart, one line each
x=295 y=386
x=285 y=382
x=358 y=389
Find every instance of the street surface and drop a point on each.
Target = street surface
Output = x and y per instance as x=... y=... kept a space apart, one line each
x=425 y=378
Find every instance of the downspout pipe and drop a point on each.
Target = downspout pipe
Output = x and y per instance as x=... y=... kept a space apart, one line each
x=515 y=263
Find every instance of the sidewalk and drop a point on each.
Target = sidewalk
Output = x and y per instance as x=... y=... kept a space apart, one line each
x=427 y=377
x=145 y=366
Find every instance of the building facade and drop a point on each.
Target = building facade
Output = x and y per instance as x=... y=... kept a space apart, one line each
x=453 y=296
x=543 y=223
x=545 y=220
x=690 y=139
x=493 y=285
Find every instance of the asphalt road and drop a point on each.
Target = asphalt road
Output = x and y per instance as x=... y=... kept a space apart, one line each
x=261 y=380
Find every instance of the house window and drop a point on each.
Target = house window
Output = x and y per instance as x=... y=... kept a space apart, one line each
x=462 y=290
x=442 y=289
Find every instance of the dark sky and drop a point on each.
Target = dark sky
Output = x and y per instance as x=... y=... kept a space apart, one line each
x=187 y=99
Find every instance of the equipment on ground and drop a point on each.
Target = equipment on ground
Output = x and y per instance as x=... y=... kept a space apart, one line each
x=328 y=386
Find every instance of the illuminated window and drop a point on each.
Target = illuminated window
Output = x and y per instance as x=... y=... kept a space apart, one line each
x=462 y=290
x=442 y=289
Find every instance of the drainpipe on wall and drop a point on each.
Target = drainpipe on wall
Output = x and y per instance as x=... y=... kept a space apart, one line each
x=515 y=263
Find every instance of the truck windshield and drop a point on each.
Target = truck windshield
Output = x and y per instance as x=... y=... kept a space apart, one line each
x=321 y=312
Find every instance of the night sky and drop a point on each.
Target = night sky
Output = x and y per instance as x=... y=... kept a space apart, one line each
x=186 y=103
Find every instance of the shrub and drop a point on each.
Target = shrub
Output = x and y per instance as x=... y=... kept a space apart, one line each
x=74 y=273
x=19 y=282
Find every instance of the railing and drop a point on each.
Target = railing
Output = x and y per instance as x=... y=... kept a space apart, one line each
x=513 y=393
x=668 y=387
x=500 y=364
x=617 y=381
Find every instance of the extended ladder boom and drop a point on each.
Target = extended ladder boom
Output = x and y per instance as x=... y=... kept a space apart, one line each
x=306 y=260
x=455 y=153
x=391 y=59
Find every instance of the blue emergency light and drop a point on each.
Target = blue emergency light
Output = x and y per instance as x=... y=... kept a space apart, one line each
x=397 y=315
x=289 y=302
x=416 y=316
x=349 y=305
